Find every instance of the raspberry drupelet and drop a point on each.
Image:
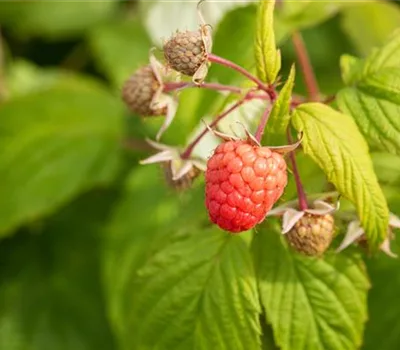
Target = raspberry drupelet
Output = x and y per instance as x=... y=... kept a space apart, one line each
x=243 y=182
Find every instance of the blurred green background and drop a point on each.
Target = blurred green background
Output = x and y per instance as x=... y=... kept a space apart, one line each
x=78 y=215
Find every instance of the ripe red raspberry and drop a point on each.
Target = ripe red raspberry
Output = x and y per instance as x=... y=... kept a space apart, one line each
x=242 y=184
x=312 y=234
x=139 y=90
x=185 y=52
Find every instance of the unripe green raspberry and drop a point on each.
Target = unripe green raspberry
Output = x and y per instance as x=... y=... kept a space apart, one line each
x=185 y=52
x=139 y=90
x=312 y=234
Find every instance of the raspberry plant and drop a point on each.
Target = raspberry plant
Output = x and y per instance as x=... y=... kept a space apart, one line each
x=231 y=186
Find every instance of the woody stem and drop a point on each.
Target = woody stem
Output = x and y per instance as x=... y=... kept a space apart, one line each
x=299 y=186
x=186 y=154
x=306 y=67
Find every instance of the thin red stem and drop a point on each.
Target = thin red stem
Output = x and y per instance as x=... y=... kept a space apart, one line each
x=263 y=122
x=250 y=95
x=186 y=154
x=300 y=190
x=306 y=67
x=253 y=95
x=216 y=59
x=171 y=86
x=297 y=99
x=220 y=87
x=329 y=99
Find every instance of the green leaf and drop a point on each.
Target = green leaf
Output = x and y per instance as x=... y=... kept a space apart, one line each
x=237 y=26
x=54 y=19
x=314 y=179
x=51 y=294
x=387 y=167
x=160 y=26
x=383 y=57
x=373 y=97
x=333 y=141
x=364 y=25
x=349 y=66
x=131 y=234
x=279 y=117
x=24 y=77
x=311 y=303
x=376 y=117
x=204 y=281
x=119 y=48
x=187 y=116
x=55 y=144
x=292 y=16
x=392 y=194
x=268 y=58
x=137 y=227
x=173 y=283
x=383 y=328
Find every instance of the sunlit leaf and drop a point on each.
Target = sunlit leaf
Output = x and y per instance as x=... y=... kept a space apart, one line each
x=369 y=24
x=54 y=19
x=333 y=141
x=120 y=47
x=372 y=97
x=55 y=144
x=172 y=282
x=383 y=328
x=311 y=303
x=279 y=116
x=161 y=15
x=268 y=58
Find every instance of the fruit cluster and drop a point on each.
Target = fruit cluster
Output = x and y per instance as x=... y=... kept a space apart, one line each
x=243 y=179
x=186 y=53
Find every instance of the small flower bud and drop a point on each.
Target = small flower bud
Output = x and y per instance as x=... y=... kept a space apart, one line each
x=312 y=234
x=185 y=52
x=139 y=90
